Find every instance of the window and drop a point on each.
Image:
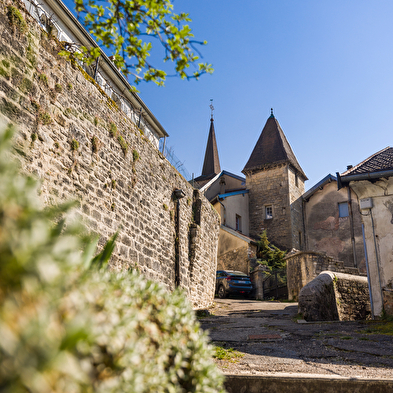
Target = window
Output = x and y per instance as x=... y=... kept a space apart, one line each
x=238 y=223
x=296 y=180
x=343 y=209
x=268 y=212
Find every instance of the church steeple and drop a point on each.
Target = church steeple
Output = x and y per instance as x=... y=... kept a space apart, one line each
x=211 y=164
x=272 y=149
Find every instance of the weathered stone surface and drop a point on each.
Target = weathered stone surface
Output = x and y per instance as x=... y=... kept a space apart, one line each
x=276 y=187
x=303 y=266
x=335 y=296
x=115 y=192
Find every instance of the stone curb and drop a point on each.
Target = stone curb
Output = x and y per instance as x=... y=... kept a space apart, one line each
x=307 y=383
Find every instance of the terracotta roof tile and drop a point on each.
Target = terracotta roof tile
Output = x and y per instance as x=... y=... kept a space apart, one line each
x=380 y=161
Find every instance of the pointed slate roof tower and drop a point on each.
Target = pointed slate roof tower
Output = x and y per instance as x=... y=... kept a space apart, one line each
x=275 y=181
x=211 y=164
x=272 y=149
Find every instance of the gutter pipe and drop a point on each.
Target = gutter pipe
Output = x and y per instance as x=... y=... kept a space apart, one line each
x=341 y=180
x=368 y=274
x=225 y=210
x=376 y=255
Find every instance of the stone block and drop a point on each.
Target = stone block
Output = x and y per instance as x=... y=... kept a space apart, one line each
x=335 y=296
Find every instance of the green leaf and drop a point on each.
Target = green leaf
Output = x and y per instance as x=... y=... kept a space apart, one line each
x=101 y=260
x=128 y=29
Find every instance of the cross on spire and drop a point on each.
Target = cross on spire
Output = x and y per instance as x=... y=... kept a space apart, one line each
x=211 y=108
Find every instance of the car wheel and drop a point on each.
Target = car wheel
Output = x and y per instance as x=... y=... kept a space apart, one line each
x=221 y=292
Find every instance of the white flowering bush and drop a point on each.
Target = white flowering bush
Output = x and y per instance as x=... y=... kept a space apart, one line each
x=68 y=324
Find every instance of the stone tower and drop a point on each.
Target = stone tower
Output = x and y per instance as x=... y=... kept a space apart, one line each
x=275 y=182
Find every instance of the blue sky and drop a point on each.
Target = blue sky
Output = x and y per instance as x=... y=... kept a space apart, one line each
x=325 y=67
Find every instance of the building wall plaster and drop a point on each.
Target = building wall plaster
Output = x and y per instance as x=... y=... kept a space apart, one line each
x=378 y=228
x=327 y=233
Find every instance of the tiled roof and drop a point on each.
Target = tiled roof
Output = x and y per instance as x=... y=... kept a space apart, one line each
x=272 y=148
x=380 y=161
x=319 y=186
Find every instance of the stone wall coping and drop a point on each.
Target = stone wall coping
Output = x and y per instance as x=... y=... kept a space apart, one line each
x=344 y=276
x=238 y=234
x=298 y=252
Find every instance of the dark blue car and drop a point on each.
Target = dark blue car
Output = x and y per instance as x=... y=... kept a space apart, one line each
x=232 y=282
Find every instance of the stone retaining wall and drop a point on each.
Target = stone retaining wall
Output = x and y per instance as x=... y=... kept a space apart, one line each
x=74 y=138
x=335 y=296
x=304 y=266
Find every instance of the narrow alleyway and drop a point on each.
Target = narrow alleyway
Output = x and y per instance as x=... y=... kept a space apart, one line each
x=272 y=340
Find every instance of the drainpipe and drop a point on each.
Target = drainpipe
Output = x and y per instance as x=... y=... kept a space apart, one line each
x=163 y=146
x=225 y=211
x=305 y=247
x=96 y=68
x=368 y=273
x=352 y=228
x=177 y=195
x=140 y=115
x=376 y=255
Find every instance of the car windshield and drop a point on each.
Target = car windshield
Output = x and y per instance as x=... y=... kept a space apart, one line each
x=237 y=274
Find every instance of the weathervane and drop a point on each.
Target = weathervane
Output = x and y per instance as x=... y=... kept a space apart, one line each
x=211 y=107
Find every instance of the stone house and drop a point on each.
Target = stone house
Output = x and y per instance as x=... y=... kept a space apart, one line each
x=332 y=222
x=268 y=197
x=322 y=227
x=372 y=183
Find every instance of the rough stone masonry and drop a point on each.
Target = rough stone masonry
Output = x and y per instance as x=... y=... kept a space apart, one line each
x=81 y=146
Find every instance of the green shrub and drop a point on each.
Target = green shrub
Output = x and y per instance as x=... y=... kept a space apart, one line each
x=58 y=88
x=16 y=19
x=43 y=79
x=268 y=254
x=123 y=144
x=74 y=145
x=68 y=324
x=45 y=118
x=112 y=129
x=135 y=155
x=95 y=143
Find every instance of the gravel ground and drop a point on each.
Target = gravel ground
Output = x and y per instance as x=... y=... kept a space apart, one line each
x=271 y=340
